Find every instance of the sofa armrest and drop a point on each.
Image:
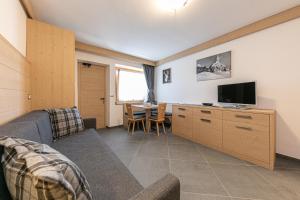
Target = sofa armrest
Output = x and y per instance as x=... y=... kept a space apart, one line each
x=167 y=188
x=89 y=123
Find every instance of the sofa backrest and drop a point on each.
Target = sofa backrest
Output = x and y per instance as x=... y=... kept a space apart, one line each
x=42 y=121
x=26 y=130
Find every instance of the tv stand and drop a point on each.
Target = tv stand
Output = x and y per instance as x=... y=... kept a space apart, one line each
x=248 y=134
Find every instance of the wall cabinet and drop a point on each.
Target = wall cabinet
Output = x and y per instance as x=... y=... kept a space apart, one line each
x=246 y=134
x=51 y=52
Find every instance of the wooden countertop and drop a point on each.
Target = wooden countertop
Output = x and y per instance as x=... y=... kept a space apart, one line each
x=248 y=110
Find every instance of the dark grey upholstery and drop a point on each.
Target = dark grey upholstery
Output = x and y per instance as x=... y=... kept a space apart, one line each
x=108 y=177
x=27 y=130
x=41 y=118
x=106 y=174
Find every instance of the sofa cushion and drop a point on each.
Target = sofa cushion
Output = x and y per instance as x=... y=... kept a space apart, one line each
x=65 y=121
x=107 y=175
x=36 y=171
x=42 y=120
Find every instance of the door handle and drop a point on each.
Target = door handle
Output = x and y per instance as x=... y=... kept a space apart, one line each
x=102 y=99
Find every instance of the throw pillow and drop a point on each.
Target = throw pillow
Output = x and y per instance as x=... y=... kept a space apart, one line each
x=65 y=121
x=35 y=171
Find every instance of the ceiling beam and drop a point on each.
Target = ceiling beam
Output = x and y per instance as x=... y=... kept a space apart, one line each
x=112 y=54
x=27 y=6
x=268 y=22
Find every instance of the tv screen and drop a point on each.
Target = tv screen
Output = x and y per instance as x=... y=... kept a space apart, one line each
x=241 y=93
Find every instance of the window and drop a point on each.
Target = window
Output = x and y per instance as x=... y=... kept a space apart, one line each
x=130 y=85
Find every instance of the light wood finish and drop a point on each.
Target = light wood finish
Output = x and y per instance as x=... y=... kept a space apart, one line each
x=159 y=118
x=125 y=116
x=91 y=92
x=248 y=139
x=51 y=51
x=148 y=109
x=268 y=22
x=252 y=118
x=246 y=134
x=111 y=54
x=133 y=119
x=14 y=82
x=27 y=6
x=182 y=121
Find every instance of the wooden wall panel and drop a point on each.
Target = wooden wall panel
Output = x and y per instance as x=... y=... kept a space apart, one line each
x=51 y=51
x=14 y=82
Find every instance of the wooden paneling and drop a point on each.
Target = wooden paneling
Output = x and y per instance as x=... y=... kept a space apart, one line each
x=92 y=85
x=111 y=54
x=51 y=52
x=246 y=134
x=14 y=82
x=268 y=22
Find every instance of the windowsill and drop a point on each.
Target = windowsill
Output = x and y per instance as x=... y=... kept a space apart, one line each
x=132 y=102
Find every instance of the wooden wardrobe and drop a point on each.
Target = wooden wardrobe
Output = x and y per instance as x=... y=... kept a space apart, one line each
x=51 y=52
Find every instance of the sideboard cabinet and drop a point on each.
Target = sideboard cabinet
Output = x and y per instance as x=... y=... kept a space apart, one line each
x=246 y=134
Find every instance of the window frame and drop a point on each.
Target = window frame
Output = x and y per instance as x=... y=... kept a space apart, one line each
x=117 y=76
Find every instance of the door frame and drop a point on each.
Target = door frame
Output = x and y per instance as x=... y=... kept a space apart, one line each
x=106 y=101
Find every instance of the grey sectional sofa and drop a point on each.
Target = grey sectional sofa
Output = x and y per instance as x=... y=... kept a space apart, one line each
x=107 y=175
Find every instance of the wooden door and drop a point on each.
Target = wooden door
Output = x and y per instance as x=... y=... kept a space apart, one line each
x=91 y=96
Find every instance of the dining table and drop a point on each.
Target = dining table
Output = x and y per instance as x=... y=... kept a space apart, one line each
x=148 y=108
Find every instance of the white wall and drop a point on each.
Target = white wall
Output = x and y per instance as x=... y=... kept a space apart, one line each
x=114 y=113
x=13 y=24
x=269 y=57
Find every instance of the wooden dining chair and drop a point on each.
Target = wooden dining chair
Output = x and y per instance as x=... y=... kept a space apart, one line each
x=159 y=118
x=132 y=119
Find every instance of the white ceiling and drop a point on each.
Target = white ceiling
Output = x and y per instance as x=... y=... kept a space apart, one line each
x=141 y=28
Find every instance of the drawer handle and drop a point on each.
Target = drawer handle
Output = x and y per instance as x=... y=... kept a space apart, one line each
x=244 y=128
x=206 y=120
x=182 y=116
x=181 y=109
x=206 y=111
x=243 y=116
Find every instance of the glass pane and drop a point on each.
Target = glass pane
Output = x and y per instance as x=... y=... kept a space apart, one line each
x=132 y=86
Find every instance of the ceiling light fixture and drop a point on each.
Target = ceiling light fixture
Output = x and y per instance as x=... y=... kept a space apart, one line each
x=171 y=4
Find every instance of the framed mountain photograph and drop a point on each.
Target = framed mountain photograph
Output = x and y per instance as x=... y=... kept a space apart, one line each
x=214 y=67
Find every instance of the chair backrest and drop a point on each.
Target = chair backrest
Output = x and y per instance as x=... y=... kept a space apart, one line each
x=129 y=110
x=161 y=110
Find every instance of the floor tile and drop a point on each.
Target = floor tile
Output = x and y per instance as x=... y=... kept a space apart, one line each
x=173 y=139
x=205 y=174
x=148 y=170
x=286 y=181
x=153 y=150
x=213 y=156
x=196 y=177
x=195 y=196
x=186 y=152
x=242 y=181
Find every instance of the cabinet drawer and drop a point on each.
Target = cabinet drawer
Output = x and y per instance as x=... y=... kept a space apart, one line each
x=247 y=139
x=182 y=125
x=203 y=133
x=209 y=123
x=182 y=110
x=206 y=112
x=245 y=117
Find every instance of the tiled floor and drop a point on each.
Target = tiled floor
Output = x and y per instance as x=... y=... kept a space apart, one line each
x=204 y=174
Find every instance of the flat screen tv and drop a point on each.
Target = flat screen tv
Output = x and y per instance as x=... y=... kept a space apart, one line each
x=240 y=93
